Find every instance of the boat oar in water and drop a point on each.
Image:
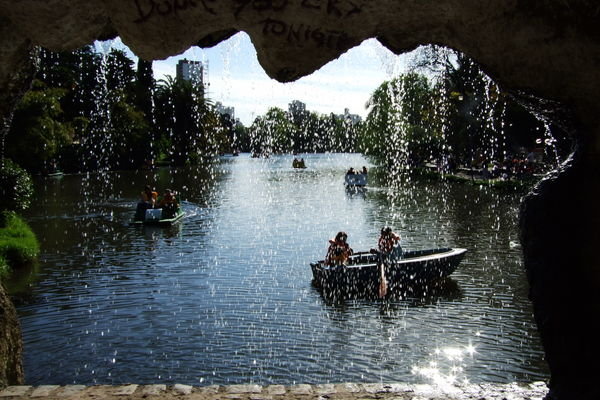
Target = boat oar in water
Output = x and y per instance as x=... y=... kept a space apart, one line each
x=382 y=280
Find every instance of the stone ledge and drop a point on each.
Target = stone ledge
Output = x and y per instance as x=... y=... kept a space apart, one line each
x=341 y=391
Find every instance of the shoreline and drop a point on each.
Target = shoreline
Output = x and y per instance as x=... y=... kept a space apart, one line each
x=341 y=391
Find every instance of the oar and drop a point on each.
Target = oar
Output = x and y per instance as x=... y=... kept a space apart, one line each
x=382 y=280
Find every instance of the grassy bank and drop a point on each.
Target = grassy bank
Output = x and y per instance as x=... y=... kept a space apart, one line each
x=18 y=244
x=517 y=185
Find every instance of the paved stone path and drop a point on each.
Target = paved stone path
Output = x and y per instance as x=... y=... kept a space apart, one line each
x=342 y=391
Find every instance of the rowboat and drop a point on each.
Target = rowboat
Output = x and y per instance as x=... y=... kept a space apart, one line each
x=298 y=163
x=362 y=274
x=355 y=180
x=154 y=216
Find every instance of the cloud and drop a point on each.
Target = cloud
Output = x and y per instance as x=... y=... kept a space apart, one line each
x=253 y=97
x=346 y=82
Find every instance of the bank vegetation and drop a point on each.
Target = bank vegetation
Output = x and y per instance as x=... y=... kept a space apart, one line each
x=18 y=244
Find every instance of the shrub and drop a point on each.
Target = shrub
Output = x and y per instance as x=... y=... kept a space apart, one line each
x=16 y=187
x=18 y=244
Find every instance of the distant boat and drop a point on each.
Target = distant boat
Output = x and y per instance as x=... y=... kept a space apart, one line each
x=362 y=274
x=355 y=179
x=298 y=163
x=154 y=216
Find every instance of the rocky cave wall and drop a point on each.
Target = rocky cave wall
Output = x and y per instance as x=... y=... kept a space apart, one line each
x=537 y=49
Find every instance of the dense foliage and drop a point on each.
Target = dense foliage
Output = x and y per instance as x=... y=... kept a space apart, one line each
x=97 y=111
x=280 y=131
x=92 y=111
x=453 y=115
x=16 y=188
x=18 y=244
x=445 y=111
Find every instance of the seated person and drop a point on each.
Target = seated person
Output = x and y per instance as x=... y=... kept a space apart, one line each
x=147 y=201
x=388 y=245
x=169 y=204
x=339 y=251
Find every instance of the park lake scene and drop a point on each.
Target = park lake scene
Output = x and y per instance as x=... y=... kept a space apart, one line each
x=225 y=295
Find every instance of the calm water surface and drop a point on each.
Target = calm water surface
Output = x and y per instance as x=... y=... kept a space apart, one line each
x=226 y=297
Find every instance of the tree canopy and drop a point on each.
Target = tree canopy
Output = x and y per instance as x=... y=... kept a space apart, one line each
x=90 y=110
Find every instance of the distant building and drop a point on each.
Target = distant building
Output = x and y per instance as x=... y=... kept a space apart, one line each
x=221 y=109
x=191 y=71
x=350 y=118
x=296 y=107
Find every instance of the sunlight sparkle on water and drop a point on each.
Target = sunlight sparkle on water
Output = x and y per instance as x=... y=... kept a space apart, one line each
x=447 y=367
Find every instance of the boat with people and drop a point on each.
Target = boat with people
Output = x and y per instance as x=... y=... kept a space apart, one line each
x=154 y=216
x=362 y=273
x=151 y=211
x=355 y=178
x=298 y=163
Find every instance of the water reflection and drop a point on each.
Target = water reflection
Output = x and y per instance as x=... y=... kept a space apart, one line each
x=446 y=289
x=446 y=366
x=225 y=296
x=356 y=192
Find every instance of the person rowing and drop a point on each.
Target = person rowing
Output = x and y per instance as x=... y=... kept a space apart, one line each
x=389 y=250
x=339 y=250
x=388 y=245
x=147 y=201
x=169 y=204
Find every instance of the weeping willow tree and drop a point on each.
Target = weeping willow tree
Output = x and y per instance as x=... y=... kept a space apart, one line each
x=399 y=129
x=447 y=108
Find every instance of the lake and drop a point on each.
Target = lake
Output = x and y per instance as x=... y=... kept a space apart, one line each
x=225 y=296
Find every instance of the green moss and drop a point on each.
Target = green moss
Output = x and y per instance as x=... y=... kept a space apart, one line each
x=18 y=244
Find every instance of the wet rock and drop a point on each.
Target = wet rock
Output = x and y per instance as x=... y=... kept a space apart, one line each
x=126 y=390
x=15 y=391
x=299 y=392
x=11 y=344
x=182 y=389
x=557 y=218
x=153 y=390
x=244 y=389
x=514 y=43
x=43 y=391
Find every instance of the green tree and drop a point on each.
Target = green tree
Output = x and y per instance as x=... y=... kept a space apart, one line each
x=315 y=133
x=299 y=118
x=186 y=122
x=143 y=100
x=120 y=74
x=163 y=117
x=38 y=131
x=242 y=138
x=465 y=86
x=130 y=134
x=226 y=134
x=16 y=187
x=272 y=133
x=400 y=125
x=186 y=136
x=77 y=72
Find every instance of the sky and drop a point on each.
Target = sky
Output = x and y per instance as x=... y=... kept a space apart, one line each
x=237 y=80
